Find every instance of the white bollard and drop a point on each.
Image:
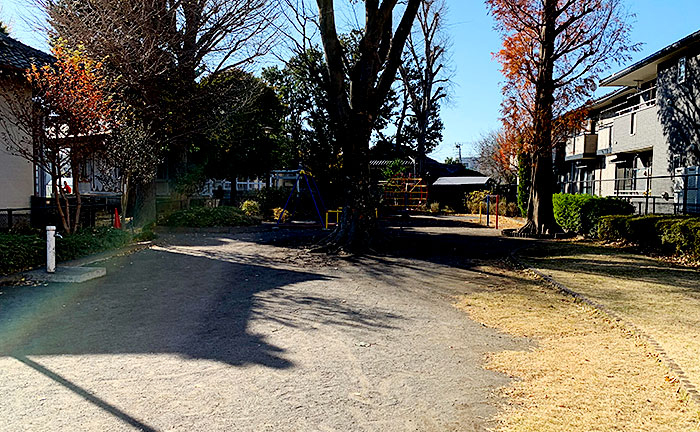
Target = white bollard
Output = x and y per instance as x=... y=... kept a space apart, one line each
x=51 y=249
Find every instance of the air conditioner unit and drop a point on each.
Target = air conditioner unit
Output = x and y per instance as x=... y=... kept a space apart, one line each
x=686 y=184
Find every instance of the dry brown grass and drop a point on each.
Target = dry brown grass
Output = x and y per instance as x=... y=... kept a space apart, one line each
x=662 y=299
x=584 y=373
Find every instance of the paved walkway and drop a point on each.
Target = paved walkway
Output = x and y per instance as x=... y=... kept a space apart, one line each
x=239 y=333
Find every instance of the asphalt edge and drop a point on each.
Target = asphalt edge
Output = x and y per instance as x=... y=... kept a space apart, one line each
x=686 y=387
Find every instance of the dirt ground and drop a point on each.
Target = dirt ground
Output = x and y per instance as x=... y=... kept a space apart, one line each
x=245 y=333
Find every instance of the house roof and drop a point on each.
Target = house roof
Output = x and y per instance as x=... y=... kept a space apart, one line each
x=385 y=163
x=461 y=181
x=17 y=56
x=609 y=97
x=646 y=69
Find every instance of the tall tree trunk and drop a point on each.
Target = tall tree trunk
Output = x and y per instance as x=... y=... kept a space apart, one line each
x=75 y=168
x=357 y=224
x=540 y=215
x=144 y=203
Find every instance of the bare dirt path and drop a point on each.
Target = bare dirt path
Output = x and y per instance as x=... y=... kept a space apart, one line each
x=241 y=333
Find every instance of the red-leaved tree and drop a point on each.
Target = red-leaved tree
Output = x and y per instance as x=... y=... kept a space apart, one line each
x=554 y=52
x=58 y=115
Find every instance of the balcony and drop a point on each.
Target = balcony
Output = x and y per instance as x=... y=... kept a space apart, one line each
x=582 y=146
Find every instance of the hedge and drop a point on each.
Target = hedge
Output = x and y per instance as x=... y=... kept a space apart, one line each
x=20 y=252
x=209 y=217
x=581 y=213
x=669 y=234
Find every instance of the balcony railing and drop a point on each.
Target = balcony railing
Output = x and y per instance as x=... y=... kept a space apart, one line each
x=647 y=97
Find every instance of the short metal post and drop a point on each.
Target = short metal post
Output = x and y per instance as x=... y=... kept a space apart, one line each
x=488 y=210
x=496 y=211
x=51 y=249
x=685 y=194
x=9 y=219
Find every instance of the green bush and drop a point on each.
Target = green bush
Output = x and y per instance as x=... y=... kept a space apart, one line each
x=681 y=236
x=612 y=228
x=251 y=208
x=209 y=217
x=593 y=210
x=567 y=210
x=671 y=234
x=642 y=230
x=524 y=182
x=20 y=252
x=581 y=213
x=89 y=241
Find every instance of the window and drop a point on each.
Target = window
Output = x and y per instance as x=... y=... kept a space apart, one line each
x=681 y=70
x=624 y=177
x=633 y=123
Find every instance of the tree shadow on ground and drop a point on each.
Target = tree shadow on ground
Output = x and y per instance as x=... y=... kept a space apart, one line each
x=160 y=301
x=446 y=241
x=612 y=263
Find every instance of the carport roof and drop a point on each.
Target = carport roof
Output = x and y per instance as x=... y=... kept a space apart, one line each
x=461 y=181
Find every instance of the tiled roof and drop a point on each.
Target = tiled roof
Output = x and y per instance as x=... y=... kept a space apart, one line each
x=16 y=55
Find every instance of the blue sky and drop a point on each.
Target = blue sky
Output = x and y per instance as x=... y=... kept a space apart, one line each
x=474 y=108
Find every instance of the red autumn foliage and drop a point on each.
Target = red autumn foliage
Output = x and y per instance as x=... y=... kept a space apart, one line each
x=554 y=52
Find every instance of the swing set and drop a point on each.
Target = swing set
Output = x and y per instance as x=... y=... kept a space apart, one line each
x=304 y=182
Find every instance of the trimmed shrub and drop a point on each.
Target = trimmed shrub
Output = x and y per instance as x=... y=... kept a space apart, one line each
x=642 y=230
x=581 y=213
x=209 y=217
x=435 y=207
x=613 y=228
x=670 y=234
x=681 y=236
x=592 y=210
x=567 y=210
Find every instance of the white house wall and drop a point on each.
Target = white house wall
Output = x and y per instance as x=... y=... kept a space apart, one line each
x=648 y=132
x=16 y=173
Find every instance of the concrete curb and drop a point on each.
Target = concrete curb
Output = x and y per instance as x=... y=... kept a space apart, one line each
x=79 y=262
x=686 y=385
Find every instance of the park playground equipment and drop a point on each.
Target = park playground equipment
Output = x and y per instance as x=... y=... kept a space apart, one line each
x=489 y=199
x=405 y=193
x=304 y=182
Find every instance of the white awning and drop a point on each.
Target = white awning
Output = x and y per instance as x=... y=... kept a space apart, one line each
x=461 y=181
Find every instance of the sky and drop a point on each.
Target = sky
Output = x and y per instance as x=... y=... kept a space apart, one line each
x=476 y=92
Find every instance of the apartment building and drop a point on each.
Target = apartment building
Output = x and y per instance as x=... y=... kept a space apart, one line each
x=642 y=141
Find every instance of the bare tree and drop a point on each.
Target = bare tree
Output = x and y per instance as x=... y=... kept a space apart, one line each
x=358 y=87
x=158 y=49
x=423 y=74
x=490 y=160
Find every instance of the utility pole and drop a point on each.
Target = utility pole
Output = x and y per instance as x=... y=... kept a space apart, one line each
x=459 y=149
